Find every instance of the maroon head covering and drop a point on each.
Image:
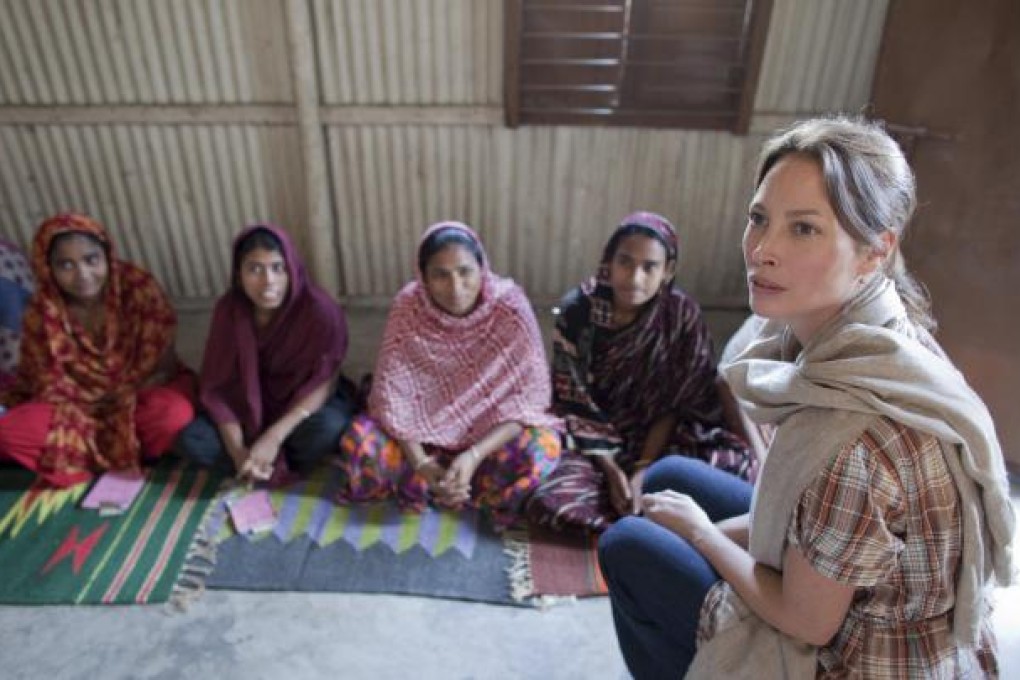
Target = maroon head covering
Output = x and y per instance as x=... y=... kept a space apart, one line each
x=254 y=377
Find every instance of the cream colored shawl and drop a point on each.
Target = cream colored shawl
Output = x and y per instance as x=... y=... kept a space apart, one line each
x=870 y=362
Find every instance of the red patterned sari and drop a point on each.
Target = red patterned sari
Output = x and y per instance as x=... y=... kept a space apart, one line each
x=91 y=381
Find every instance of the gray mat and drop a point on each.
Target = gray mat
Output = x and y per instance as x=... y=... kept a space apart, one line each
x=316 y=545
x=301 y=565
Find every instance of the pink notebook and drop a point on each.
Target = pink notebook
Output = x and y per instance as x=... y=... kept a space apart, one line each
x=114 y=492
x=252 y=513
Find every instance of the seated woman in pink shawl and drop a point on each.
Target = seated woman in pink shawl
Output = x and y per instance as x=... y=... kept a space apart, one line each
x=271 y=366
x=458 y=411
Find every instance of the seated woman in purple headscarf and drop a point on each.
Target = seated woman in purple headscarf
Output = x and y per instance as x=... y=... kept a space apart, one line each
x=271 y=366
x=634 y=377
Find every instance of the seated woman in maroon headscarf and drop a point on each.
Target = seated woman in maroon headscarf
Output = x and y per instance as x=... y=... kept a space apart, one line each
x=271 y=366
x=98 y=386
x=634 y=377
x=458 y=411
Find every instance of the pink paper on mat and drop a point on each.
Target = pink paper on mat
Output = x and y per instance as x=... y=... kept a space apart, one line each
x=114 y=490
x=252 y=513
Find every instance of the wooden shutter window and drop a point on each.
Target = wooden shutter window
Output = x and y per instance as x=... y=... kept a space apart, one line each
x=650 y=63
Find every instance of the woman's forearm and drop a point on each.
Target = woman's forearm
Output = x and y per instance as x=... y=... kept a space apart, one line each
x=414 y=452
x=737 y=529
x=497 y=437
x=656 y=440
x=798 y=601
x=233 y=438
x=305 y=407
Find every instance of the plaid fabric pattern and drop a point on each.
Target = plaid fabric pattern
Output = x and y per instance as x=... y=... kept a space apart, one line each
x=884 y=517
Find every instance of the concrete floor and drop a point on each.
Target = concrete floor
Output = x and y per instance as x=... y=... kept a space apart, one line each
x=330 y=635
x=239 y=635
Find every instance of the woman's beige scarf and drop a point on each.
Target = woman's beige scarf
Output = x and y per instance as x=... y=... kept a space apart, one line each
x=871 y=362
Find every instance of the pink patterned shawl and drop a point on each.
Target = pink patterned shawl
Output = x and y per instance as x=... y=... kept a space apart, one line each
x=447 y=380
x=254 y=378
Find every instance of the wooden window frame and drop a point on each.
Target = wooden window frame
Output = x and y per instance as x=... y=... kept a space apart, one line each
x=532 y=103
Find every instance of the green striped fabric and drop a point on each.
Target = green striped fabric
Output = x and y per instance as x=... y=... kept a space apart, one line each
x=54 y=552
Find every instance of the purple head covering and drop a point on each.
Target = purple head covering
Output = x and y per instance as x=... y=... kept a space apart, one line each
x=658 y=224
x=254 y=377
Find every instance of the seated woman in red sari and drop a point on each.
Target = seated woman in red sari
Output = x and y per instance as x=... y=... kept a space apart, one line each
x=458 y=411
x=634 y=377
x=98 y=386
x=271 y=366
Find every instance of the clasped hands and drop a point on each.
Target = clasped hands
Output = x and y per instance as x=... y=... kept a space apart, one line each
x=450 y=486
x=257 y=462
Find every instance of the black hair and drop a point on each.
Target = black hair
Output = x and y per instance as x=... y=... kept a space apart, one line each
x=67 y=235
x=260 y=237
x=634 y=230
x=447 y=236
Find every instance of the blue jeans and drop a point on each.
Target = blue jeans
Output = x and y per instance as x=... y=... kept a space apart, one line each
x=657 y=580
x=316 y=436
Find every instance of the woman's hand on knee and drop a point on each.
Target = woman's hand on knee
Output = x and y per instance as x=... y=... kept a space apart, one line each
x=677 y=512
x=261 y=458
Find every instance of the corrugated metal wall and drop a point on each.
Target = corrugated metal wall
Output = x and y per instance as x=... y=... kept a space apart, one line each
x=174 y=123
x=55 y=52
x=543 y=198
x=401 y=52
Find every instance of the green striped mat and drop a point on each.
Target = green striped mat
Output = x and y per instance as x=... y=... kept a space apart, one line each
x=54 y=552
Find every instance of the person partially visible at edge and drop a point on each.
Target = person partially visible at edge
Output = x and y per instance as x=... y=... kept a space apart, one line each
x=634 y=377
x=16 y=287
x=99 y=386
x=881 y=517
x=458 y=408
x=271 y=369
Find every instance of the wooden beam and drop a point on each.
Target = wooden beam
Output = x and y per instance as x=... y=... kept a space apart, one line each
x=318 y=212
x=513 y=24
x=413 y=115
x=206 y=304
x=761 y=17
x=248 y=114
x=255 y=114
